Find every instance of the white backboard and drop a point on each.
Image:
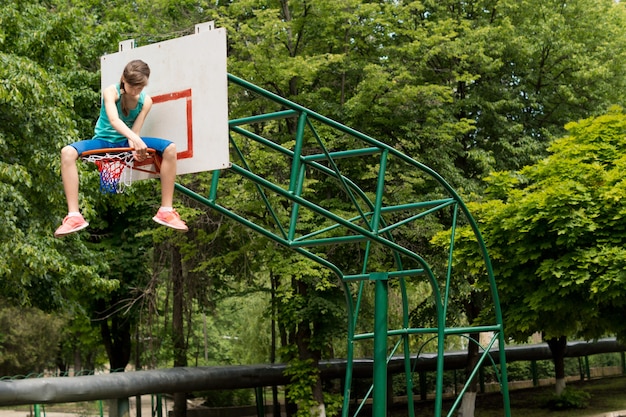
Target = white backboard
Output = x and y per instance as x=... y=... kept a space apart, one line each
x=189 y=88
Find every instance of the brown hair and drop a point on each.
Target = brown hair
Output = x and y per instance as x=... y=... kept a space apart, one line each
x=135 y=73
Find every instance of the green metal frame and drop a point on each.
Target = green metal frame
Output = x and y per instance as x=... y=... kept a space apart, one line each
x=372 y=224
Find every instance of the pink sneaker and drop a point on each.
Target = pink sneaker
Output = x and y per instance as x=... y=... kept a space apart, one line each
x=170 y=219
x=71 y=224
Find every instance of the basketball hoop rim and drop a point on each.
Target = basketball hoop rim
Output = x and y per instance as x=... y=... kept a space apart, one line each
x=113 y=150
x=150 y=165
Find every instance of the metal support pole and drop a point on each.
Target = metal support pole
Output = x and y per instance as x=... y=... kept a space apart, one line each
x=423 y=386
x=119 y=407
x=260 y=406
x=580 y=369
x=138 y=405
x=379 y=407
x=157 y=405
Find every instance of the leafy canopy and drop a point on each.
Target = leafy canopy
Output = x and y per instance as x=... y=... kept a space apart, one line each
x=556 y=233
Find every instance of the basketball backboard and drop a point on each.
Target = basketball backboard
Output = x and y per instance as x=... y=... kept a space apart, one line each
x=189 y=88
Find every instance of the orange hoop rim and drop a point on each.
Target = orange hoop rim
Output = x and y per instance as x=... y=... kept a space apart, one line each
x=113 y=150
x=153 y=158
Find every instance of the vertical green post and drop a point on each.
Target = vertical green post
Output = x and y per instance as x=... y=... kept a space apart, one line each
x=408 y=374
x=37 y=410
x=379 y=396
x=350 y=351
x=138 y=405
x=580 y=369
x=215 y=178
x=260 y=407
x=423 y=386
x=157 y=409
x=504 y=387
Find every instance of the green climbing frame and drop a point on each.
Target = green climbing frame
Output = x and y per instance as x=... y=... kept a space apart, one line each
x=375 y=214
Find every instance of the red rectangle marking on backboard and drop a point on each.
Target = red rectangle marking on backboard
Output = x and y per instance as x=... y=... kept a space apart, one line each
x=178 y=95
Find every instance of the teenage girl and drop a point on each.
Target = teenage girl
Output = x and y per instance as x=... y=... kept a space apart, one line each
x=123 y=112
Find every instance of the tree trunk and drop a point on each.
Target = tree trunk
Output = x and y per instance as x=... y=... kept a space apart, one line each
x=468 y=404
x=178 y=331
x=62 y=367
x=138 y=367
x=274 y=286
x=473 y=307
x=303 y=341
x=78 y=361
x=558 y=346
x=116 y=337
x=291 y=408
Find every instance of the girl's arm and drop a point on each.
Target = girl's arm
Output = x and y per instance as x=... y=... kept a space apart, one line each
x=110 y=96
x=141 y=117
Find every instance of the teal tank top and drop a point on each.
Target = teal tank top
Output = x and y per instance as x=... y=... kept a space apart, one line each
x=105 y=131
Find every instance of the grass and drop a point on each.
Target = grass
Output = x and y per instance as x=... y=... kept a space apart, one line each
x=607 y=395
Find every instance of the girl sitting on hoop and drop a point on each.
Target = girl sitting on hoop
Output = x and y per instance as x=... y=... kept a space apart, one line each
x=123 y=112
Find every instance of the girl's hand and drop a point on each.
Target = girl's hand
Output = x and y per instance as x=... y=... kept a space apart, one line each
x=141 y=150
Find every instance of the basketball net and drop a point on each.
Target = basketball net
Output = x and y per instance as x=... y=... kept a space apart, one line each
x=114 y=176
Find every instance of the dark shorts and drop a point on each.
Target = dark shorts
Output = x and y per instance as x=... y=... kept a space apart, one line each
x=157 y=144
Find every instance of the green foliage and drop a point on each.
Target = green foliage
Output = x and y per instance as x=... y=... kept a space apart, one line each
x=243 y=322
x=36 y=120
x=556 y=236
x=80 y=345
x=569 y=399
x=227 y=398
x=303 y=377
x=605 y=359
x=529 y=370
x=29 y=340
x=308 y=298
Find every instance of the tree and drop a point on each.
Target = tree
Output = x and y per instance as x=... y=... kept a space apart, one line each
x=473 y=86
x=50 y=96
x=306 y=308
x=28 y=340
x=556 y=235
x=117 y=236
x=81 y=349
x=36 y=119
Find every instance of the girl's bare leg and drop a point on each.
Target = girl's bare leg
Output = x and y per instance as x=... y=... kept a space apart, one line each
x=166 y=215
x=69 y=174
x=74 y=221
x=168 y=176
